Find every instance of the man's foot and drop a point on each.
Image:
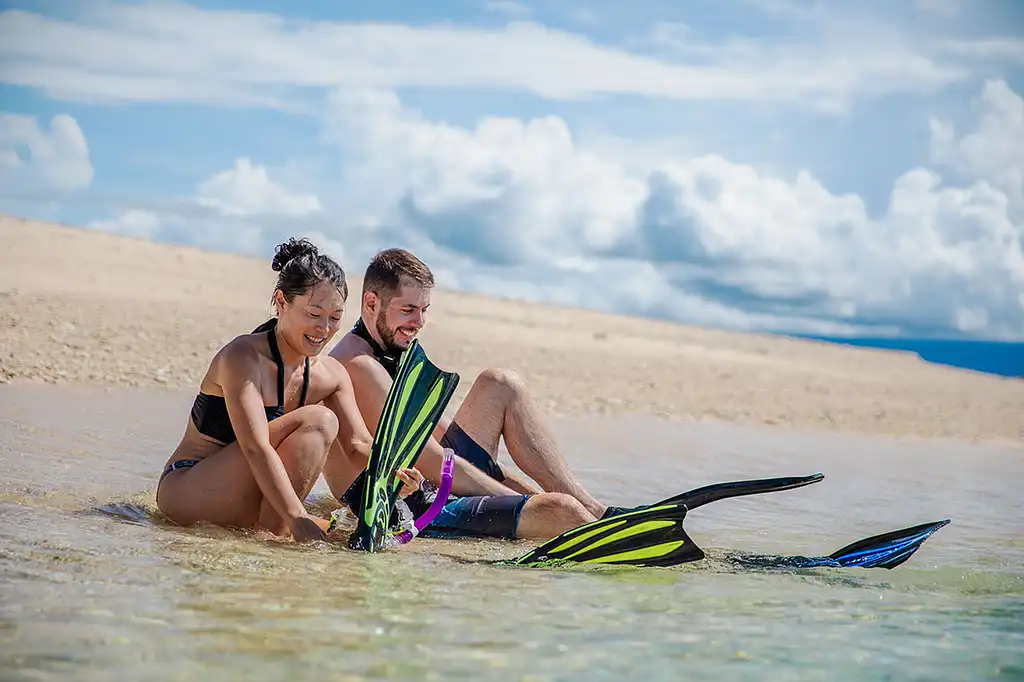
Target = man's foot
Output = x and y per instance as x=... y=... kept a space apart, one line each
x=610 y=511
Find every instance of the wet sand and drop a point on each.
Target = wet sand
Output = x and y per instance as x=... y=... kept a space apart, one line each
x=80 y=307
x=110 y=443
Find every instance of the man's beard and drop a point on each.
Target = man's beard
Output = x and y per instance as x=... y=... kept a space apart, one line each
x=387 y=337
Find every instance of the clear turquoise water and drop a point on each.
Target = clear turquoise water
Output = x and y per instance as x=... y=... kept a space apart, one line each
x=94 y=586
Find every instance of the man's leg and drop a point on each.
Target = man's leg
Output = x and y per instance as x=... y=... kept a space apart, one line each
x=535 y=517
x=497 y=406
x=549 y=514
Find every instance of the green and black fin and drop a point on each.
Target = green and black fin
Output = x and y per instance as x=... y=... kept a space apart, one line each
x=649 y=537
x=414 y=405
x=720 y=491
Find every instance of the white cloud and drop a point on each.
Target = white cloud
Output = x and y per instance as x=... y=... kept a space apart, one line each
x=947 y=8
x=194 y=226
x=246 y=190
x=133 y=222
x=524 y=208
x=471 y=185
x=240 y=210
x=512 y=201
x=170 y=51
x=995 y=151
x=9 y=159
x=40 y=164
x=1000 y=49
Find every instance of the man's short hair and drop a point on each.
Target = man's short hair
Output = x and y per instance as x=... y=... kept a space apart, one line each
x=387 y=269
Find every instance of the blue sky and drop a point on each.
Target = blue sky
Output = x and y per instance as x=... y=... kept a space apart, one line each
x=775 y=165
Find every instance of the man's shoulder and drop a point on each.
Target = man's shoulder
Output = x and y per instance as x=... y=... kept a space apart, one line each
x=348 y=348
x=355 y=354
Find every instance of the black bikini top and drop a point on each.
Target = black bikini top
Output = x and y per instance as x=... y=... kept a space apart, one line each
x=210 y=412
x=388 y=360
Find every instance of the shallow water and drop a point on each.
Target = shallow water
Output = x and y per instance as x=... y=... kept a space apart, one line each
x=94 y=586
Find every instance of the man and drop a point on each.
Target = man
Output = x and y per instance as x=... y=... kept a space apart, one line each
x=494 y=501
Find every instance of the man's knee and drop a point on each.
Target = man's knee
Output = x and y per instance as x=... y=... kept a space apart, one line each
x=559 y=511
x=503 y=379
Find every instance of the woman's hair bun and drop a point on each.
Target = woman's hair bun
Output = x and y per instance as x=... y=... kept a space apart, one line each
x=293 y=248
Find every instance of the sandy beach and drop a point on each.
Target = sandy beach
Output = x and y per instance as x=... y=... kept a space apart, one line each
x=79 y=306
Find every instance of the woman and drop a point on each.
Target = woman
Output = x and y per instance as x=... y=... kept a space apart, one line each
x=270 y=411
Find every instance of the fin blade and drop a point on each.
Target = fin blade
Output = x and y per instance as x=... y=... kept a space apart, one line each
x=887 y=550
x=720 y=491
x=645 y=556
x=648 y=537
x=418 y=397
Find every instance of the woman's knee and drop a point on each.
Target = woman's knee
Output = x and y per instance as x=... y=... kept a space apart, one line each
x=320 y=420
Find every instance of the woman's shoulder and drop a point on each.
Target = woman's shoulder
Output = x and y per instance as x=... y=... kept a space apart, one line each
x=333 y=372
x=240 y=353
x=330 y=366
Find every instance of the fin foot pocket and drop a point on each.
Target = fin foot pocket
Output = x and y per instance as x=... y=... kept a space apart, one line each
x=648 y=537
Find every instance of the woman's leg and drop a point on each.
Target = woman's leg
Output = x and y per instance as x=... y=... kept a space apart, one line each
x=221 y=490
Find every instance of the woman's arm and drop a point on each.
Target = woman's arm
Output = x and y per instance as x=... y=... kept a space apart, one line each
x=239 y=379
x=354 y=438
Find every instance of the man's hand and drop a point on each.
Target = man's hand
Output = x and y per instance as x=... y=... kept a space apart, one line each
x=411 y=479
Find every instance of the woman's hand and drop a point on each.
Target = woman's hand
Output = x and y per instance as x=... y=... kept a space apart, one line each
x=306 y=529
x=411 y=479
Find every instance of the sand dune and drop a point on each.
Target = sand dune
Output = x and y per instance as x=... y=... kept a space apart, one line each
x=80 y=306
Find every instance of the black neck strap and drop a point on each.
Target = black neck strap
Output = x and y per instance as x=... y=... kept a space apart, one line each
x=387 y=360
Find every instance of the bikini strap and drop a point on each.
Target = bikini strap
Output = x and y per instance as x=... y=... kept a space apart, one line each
x=272 y=339
x=305 y=384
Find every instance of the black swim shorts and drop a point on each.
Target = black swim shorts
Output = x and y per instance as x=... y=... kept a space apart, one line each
x=477 y=515
x=481 y=515
x=467 y=448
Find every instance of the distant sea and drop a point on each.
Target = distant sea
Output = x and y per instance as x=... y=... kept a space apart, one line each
x=994 y=357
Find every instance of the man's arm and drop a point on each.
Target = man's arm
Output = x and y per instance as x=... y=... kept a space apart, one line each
x=372 y=383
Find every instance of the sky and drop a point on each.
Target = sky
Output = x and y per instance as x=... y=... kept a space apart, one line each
x=831 y=168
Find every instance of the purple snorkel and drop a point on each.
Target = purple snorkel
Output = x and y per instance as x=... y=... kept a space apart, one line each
x=447 y=469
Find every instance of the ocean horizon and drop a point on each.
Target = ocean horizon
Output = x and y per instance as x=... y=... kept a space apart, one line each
x=1003 y=358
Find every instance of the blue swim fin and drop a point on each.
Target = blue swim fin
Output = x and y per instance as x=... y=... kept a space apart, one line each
x=887 y=550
